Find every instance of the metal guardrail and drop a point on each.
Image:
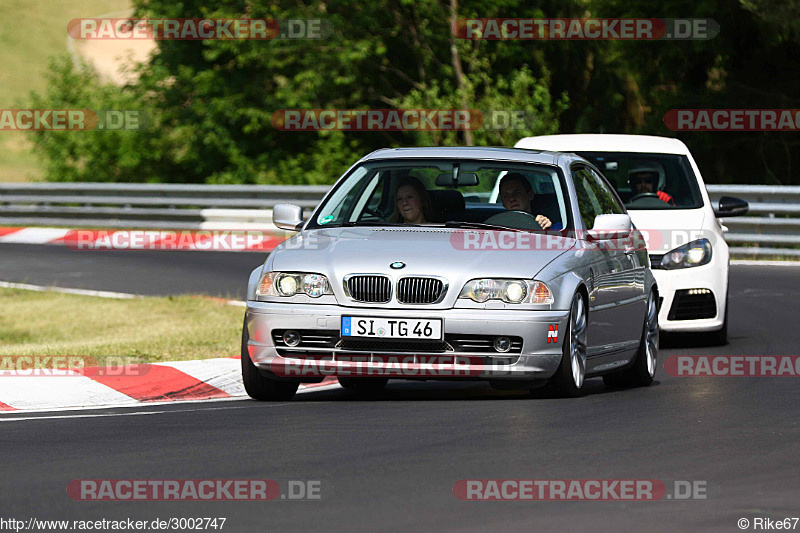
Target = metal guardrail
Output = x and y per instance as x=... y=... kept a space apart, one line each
x=773 y=220
x=770 y=224
x=134 y=205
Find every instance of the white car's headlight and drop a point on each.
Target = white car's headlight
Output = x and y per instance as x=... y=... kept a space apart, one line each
x=515 y=291
x=692 y=254
x=291 y=283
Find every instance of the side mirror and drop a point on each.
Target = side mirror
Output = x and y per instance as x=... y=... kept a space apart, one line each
x=610 y=227
x=288 y=216
x=728 y=206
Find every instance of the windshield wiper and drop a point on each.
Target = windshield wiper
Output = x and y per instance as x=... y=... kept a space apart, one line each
x=480 y=225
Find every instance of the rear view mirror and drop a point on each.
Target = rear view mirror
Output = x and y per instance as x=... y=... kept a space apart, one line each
x=728 y=206
x=610 y=227
x=287 y=216
x=465 y=179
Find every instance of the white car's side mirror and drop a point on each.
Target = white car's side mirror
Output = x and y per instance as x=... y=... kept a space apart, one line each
x=610 y=227
x=728 y=206
x=288 y=216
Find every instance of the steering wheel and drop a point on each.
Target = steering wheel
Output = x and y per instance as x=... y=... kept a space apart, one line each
x=374 y=212
x=514 y=219
x=642 y=196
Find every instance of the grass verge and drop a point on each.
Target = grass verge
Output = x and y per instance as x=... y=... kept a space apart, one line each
x=32 y=31
x=146 y=330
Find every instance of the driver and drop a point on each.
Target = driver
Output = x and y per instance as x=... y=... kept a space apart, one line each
x=516 y=193
x=649 y=179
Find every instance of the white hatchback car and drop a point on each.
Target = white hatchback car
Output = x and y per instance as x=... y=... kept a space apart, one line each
x=663 y=191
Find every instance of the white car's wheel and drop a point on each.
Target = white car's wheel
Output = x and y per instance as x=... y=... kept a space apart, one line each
x=720 y=337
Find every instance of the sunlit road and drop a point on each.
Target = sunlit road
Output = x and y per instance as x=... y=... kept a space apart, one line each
x=390 y=463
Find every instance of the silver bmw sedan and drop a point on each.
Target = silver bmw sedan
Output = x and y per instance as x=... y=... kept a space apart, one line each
x=408 y=270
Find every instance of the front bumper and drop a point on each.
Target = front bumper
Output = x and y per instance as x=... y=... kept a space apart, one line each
x=713 y=277
x=542 y=334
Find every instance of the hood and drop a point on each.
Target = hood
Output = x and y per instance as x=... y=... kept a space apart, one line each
x=458 y=255
x=666 y=229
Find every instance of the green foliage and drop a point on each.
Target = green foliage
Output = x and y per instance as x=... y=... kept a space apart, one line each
x=211 y=102
x=521 y=93
x=93 y=155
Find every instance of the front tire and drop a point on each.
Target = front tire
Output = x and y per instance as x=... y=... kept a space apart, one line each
x=258 y=386
x=720 y=337
x=643 y=370
x=569 y=378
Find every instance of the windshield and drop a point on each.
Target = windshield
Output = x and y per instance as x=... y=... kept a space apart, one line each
x=436 y=192
x=649 y=181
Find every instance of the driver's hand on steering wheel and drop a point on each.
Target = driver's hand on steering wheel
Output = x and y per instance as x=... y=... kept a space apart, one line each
x=543 y=221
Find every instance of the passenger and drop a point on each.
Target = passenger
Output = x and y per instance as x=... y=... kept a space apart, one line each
x=413 y=201
x=649 y=179
x=516 y=193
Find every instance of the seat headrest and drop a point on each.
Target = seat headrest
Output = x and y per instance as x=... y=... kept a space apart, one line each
x=447 y=200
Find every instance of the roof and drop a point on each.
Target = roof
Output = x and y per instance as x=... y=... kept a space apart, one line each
x=601 y=142
x=467 y=152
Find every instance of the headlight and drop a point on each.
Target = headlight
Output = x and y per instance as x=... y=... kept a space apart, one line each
x=513 y=291
x=291 y=283
x=693 y=254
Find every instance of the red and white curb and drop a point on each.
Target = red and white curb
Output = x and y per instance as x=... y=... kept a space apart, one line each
x=205 y=240
x=159 y=383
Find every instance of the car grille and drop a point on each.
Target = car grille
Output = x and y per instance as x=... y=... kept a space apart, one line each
x=419 y=290
x=369 y=288
x=689 y=305
x=655 y=262
x=399 y=345
x=440 y=358
x=453 y=342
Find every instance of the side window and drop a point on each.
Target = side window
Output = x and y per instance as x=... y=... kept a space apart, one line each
x=608 y=203
x=588 y=203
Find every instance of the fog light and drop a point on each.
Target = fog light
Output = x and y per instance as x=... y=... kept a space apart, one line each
x=291 y=338
x=502 y=344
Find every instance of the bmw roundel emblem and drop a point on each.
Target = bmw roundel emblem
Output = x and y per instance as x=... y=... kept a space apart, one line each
x=397 y=264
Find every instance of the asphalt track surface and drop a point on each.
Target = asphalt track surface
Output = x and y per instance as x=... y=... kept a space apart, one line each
x=390 y=463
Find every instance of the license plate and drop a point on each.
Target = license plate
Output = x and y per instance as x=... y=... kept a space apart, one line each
x=392 y=328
